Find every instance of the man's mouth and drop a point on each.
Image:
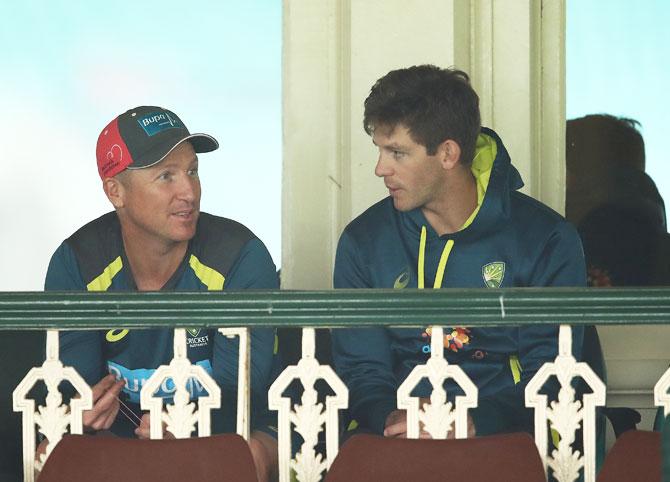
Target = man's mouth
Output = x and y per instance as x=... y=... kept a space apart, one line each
x=184 y=214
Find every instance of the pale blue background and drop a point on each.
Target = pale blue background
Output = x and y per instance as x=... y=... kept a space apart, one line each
x=618 y=62
x=69 y=67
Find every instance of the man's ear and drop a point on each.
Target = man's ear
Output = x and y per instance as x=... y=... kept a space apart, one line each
x=115 y=191
x=450 y=153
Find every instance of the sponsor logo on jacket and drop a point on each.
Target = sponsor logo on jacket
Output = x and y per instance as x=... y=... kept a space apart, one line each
x=135 y=378
x=195 y=339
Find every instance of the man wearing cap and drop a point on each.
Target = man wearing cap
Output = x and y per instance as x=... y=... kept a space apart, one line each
x=156 y=239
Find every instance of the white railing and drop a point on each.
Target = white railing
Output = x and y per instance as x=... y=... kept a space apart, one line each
x=566 y=415
x=437 y=416
x=53 y=419
x=309 y=417
x=181 y=416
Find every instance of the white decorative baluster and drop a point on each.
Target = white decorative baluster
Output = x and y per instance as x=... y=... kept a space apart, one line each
x=53 y=419
x=661 y=396
x=438 y=415
x=243 y=382
x=308 y=417
x=181 y=416
x=566 y=414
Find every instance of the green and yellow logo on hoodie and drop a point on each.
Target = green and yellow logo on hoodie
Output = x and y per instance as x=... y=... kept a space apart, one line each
x=493 y=274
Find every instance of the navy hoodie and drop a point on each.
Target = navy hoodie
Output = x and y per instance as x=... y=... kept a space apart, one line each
x=511 y=240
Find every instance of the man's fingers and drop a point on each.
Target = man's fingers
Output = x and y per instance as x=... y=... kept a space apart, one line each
x=110 y=398
x=101 y=419
x=144 y=430
x=472 y=431
x=145 y=421
x=106 y=407
x=396 y=424
x=102 y=386
x=111 y=416
x=111 y=394
x=398 y=429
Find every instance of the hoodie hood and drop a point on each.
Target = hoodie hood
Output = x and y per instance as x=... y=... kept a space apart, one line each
x=503 y=180
x=496 y=180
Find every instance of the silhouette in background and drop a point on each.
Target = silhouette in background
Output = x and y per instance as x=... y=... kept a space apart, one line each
x=620 y=216
x=615 y=205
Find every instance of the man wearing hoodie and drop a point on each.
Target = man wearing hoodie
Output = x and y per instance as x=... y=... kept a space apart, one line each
x=454 y=218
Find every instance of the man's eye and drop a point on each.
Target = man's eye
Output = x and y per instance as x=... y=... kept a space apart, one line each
x=165 y=176
x=193 y=172
x=397 y=154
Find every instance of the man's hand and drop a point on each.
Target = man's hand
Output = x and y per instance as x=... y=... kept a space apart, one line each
x=144 y=430
x=396 y=426
x=105 y=404
x=264 y=451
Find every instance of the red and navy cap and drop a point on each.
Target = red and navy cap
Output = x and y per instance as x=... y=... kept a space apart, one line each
x=142 y=137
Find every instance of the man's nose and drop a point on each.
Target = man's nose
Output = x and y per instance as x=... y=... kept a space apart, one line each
x=188 y=187
x=382 y=168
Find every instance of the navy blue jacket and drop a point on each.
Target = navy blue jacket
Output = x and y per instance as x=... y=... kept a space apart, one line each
x=512 y=241
x=222 y=253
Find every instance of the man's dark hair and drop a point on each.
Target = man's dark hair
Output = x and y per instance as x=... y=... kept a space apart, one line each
x=605 y=140
x=434 y=104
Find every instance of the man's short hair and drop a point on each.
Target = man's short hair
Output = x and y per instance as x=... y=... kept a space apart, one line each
x=605 y=141
x=434 y=104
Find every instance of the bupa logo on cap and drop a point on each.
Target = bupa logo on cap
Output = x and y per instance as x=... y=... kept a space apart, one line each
x=159 y=121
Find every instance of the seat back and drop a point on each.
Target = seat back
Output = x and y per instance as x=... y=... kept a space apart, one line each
x=636 y=455
x=84 y=458
x=509 y=457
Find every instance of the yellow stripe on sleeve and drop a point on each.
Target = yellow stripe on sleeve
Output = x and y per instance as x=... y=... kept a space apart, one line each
x=104 y=280
x=209 y=277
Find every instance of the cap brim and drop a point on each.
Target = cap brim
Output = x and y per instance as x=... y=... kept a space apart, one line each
x=201 y=143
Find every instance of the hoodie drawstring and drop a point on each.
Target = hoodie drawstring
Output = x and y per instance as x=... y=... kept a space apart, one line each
x=439 y=275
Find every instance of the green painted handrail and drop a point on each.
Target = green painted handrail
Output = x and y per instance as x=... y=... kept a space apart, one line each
x=335 y=308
